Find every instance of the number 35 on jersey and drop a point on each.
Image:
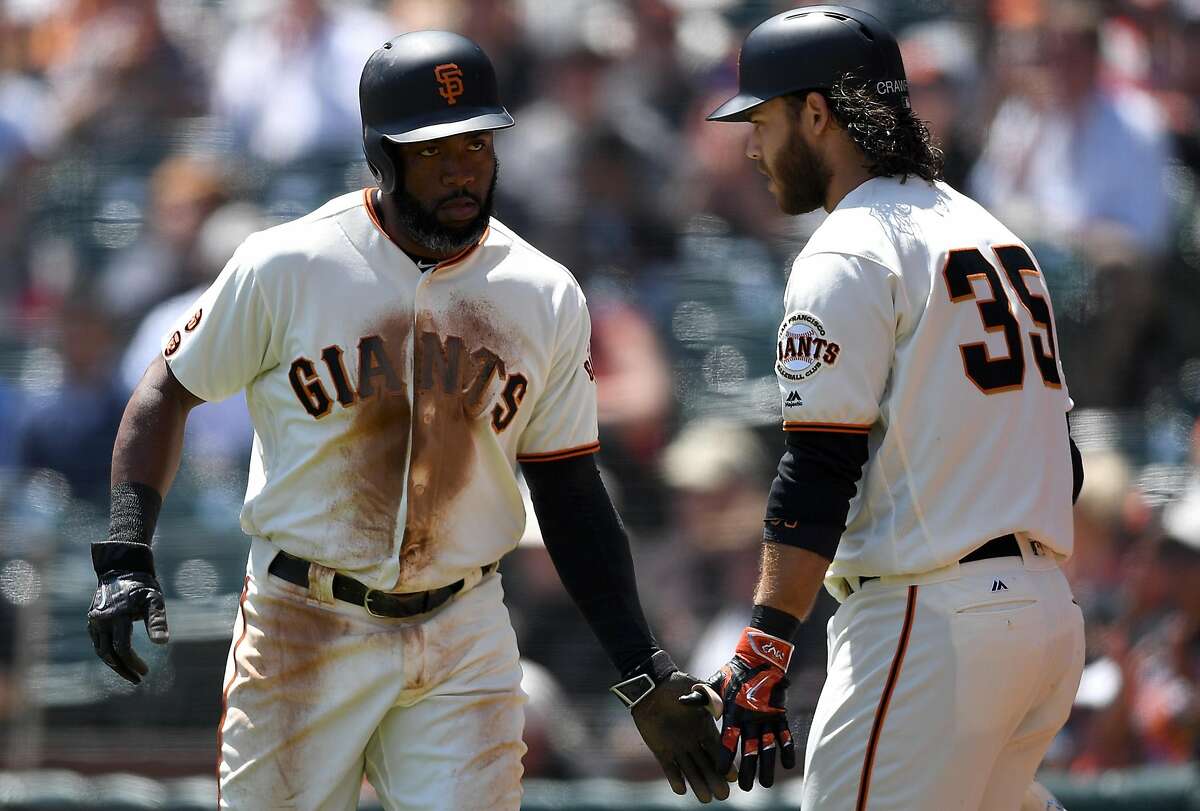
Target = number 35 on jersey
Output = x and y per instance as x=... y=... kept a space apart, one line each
x=994 y=375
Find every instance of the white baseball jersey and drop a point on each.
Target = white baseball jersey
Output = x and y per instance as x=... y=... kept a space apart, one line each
x=914 y=317
x=391 y=406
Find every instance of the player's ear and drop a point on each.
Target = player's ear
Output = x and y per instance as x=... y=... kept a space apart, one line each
x=817 y=115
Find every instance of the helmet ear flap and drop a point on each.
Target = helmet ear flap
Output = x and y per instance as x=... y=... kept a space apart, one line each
x=379 y=161
x=379 y=178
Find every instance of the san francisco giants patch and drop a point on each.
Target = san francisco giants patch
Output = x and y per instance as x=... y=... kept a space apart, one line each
x=194 y=321
x=173 y=344
x=804 y=347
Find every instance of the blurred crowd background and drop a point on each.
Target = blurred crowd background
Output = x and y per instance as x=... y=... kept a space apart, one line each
x=142 y=140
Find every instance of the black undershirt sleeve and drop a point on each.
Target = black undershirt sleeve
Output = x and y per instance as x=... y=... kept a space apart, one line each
x=810 y=497
x=590 y=550
x=1076 y=465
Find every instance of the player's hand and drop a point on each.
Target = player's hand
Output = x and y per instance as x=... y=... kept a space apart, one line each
x=121 y=599
x=753 y=703
x=682 y=738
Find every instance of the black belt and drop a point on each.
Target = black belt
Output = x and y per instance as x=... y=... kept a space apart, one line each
x=378 y=603
x=1002 y=547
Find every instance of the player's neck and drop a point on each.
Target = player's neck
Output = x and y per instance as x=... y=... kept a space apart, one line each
x=845 y=178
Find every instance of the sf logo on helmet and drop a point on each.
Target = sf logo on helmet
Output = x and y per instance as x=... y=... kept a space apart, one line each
x=450 y=78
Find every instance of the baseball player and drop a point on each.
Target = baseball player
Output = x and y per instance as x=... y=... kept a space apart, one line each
x=401 y=352
x=928 y=474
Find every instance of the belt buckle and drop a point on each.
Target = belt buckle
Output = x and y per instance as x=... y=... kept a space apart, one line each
x=372 y=611
x=409 y=609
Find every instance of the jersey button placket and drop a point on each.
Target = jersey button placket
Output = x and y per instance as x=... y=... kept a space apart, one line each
x=418 y=478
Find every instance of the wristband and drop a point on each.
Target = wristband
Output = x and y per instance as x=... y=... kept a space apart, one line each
x=134 y=514
x=644 y=678
x=775 y=622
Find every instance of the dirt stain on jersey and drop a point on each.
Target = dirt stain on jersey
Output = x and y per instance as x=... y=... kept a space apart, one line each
x=374 y=449
x=457 y=364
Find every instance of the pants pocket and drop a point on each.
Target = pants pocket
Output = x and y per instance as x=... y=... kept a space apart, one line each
x=995 y=607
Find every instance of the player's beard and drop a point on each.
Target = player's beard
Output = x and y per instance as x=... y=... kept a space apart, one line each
x=802 y=177
x=423 y=227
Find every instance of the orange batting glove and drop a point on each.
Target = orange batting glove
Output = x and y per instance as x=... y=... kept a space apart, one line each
x=753 y=691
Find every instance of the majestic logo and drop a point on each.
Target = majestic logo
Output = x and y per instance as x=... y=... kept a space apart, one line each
x=450 y=78
x=194 y=321
x=173 y=344
x=998 y=585
x=804 y=347
x=794 y=399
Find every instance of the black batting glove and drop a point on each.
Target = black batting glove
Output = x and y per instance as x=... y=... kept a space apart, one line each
x=752 y=688
x=683 y=739
x=121 y=599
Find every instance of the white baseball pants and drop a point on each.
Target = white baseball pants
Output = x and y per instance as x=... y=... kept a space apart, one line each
x=319 y=694
x=945 y=689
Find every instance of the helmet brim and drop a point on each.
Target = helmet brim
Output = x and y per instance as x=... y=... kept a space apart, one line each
x=737 y=108
x=434 y=127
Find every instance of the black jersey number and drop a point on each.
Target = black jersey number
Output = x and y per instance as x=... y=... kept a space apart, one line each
x=995 y=375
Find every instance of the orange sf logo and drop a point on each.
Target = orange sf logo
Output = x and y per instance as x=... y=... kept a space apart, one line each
x=450 y=78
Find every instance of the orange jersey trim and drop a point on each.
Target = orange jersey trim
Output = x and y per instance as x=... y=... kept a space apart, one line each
x=565 y=453
x=229 y=684
x=371 y=211
x=889 y=687
x=828 y=427
x=464 y=253
x=445 y=263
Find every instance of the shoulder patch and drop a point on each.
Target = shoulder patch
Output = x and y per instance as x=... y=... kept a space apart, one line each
x=804 y=347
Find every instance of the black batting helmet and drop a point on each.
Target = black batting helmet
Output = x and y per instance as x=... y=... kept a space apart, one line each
x=421 y=86
x=812 y=48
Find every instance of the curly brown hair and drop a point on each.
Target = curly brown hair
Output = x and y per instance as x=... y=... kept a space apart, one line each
x=891 y=136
